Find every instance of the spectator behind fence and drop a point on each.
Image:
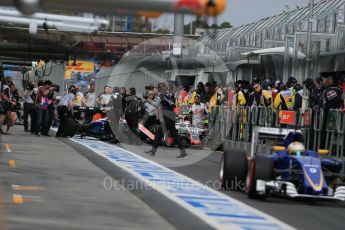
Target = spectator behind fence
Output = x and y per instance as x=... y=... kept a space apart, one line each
x=298 y=91
x=259 y=97
x=216 y=96
x=242 y=93
x=201 y=92
x=191 y=95
x=285 y=99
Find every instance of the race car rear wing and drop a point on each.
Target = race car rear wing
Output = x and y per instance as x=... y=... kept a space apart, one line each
x=279 y=132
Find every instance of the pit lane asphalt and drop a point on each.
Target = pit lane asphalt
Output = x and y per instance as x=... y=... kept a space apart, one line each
x=296 y=213
x=299 y=214
x=61 y=189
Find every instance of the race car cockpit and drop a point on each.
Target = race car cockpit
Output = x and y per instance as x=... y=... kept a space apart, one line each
x=296 y=148
x=294 y=143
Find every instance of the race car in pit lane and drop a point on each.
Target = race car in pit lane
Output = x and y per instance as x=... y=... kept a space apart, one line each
x=99 y=126
x=191 y=134
x=289 y=170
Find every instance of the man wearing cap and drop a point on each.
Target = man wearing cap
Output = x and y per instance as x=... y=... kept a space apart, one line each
x=332 y=95
x=332 y=99
x=259 y=97
x=285 y=99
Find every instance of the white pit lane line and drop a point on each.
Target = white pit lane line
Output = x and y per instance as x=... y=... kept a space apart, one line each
x=215 y=208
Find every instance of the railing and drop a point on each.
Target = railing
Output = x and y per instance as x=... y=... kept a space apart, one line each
x=320 y=129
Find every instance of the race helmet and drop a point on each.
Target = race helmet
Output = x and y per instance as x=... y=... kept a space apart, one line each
x=296 y=148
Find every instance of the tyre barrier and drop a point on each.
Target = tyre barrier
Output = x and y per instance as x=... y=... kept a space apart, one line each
x=321 y=129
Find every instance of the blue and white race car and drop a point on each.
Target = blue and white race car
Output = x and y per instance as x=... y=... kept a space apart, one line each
x=289 y=170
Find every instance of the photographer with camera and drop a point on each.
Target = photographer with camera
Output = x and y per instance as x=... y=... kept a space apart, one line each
x=43 y=103
x=315 y=92
x=14 y=106
x=51 y=108
x=29 y=95
x=5 y=100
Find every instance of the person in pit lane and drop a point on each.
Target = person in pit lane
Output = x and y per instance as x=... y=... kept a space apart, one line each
x=197 y=111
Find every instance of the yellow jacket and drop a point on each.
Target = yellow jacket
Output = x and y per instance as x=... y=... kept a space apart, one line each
x=241 y=99
x=213 y=99
x=288 y=101
x=191 y=97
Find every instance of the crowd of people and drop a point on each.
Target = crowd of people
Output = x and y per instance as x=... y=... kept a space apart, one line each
x=325 y=92
x=38 y=104
x=161 y=104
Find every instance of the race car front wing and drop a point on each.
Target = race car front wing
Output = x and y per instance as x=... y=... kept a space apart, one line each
x=289 y=189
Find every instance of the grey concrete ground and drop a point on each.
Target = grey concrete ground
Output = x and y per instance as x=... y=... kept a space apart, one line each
x=66 y=190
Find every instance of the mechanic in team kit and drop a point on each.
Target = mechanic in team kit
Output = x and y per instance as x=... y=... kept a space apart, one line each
x=332 y=99
x=105 y=97
x=65 y=109
x=167 y=105
x=89 y=101
x=332 y=95
x=151 y=106
x=133 y=112
x=198 y=111
x=315 y=92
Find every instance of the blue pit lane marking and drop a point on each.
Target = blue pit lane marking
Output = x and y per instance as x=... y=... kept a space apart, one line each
x=215 y=208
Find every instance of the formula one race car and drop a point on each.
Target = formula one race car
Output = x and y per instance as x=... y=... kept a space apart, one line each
x=288 y=170
x=190 y=134
x=99 y=129
x=99 y=126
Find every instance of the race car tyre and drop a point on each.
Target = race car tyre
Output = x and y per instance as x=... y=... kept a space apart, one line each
x=260 y=168
x=233 y=169
x=70 y=127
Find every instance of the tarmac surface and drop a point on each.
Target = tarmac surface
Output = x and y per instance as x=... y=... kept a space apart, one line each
x=301 y=214
x=46 y=184
x=67 y=190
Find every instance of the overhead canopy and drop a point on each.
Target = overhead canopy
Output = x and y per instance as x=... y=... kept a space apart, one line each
x=270 y=51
